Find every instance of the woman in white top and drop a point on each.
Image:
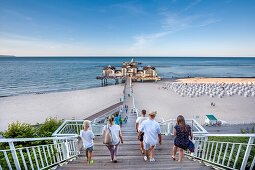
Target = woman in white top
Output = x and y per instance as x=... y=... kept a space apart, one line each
x=116 y=138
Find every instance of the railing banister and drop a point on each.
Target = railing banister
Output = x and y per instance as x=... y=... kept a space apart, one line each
x=7 y=160
x=23 y=159
x=231 y=153
x=215 y=152
x=237 y=155
x=247 y=153
x=36 y=161
x=225 y=153
x=30 y=160
x=252 y=164
x=14 y=155
x=220 y=153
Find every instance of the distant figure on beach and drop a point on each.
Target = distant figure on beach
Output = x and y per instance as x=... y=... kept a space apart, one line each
x=152 y=136
x=87 y=137
x=182 y=131
x=116 y=138
x=138 y=124
x=212 y=104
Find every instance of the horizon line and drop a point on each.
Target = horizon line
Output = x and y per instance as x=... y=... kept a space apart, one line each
x=126 y=56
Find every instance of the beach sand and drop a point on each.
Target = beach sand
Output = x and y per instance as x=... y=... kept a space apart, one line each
x=65 y=105
x=168 y=104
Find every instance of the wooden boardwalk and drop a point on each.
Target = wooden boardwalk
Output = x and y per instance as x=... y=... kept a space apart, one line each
x=130 y=156
x=102 y=112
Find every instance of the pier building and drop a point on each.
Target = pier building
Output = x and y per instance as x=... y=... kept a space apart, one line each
x=129 y=69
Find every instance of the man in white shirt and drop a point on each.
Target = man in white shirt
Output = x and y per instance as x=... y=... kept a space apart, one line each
x=139 y=121
x=152 y=136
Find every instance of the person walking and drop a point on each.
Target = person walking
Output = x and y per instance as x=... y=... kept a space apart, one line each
x=182 y=131
x=117 y=119
x=152 y=136
x=87 y=137
x=116 y=138
x=138 y=123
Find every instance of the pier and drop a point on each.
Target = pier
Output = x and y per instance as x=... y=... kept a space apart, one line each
x=128 y=70
x=130 y=156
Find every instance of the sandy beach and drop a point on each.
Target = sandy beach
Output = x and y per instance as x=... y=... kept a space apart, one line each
x=169 y=104
x=65 y=105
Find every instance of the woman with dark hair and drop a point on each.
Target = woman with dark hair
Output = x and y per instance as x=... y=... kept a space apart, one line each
x=182 y=131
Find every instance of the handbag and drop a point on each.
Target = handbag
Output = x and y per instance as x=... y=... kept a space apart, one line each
x=191 y=146
x=80 y=143
x=107 y=138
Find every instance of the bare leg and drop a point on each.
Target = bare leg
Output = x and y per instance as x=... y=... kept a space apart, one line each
x=174 y=151
x=87 y=155
x=151 y=152
x=147 y=154
x=141 y=145
x=180 y=154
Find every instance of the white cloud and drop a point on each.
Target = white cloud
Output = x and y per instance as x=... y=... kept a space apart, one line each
x=192 y=4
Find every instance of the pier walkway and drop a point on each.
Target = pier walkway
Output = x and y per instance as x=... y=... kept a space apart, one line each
x=102 y=112
x=130 y=156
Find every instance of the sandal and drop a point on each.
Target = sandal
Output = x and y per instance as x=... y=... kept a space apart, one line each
x=173 y=157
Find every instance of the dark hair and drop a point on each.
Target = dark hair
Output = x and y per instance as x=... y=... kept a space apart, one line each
x=143 y=111
x=181 y=123
x=117 y=114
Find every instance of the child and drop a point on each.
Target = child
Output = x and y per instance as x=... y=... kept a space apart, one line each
x=87 y=137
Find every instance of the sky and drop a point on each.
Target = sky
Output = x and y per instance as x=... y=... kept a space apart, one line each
x=201 y=28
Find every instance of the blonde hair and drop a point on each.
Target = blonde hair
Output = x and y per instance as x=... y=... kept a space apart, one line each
x=86 y=123
x=111 y=119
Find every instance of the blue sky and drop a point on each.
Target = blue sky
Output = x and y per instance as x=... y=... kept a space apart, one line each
x=127 y=28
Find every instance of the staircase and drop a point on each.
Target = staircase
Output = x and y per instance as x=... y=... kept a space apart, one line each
x=130 y=156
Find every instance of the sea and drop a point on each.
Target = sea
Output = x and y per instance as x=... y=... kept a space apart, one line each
x=36 y=75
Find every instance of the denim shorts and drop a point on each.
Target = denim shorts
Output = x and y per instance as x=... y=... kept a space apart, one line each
x=89 y=149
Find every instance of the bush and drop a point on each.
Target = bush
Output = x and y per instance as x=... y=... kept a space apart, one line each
x=48 y=127
x=247 y=131
x=19 y=130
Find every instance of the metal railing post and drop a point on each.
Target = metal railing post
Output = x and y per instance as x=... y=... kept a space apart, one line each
x=14 y=155
x=247 y=153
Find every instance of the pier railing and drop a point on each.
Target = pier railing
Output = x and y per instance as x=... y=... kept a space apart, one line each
x=73 y=127
x=41 y=156
x=167 y=127
x=231 y=151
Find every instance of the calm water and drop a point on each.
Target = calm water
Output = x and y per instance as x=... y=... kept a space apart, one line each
x=23 y=75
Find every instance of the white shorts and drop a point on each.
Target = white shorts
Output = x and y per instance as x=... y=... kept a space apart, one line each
x=147 y=146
